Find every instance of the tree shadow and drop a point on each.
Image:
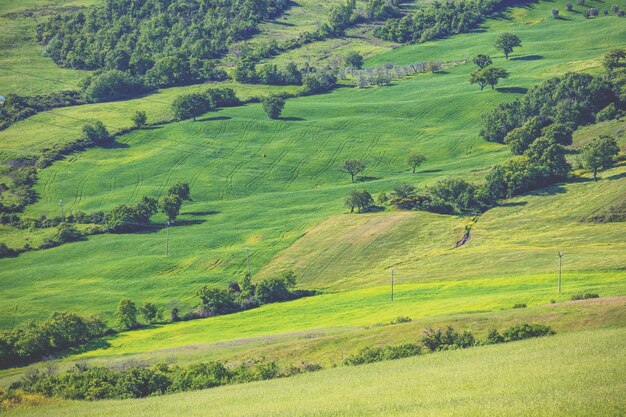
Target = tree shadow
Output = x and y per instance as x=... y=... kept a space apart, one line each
x=616 y=176
x=550 y=190
x=278 y=22
x=101 y=343
x=151 y=128
x=527 y=58
x=366 y=178
x=428 y=171
x=189 y=222
x=200 y=213
x=115 y=145
x=291 y=119
x=512 y=90
x=513 y=204
x=213 y=119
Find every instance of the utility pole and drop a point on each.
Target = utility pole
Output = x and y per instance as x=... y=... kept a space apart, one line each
x=167 y=239
x=62 y=215
x=392 y=276
x=248 y=256
x=560 y=255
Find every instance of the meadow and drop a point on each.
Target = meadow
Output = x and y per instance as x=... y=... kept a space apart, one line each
x=564 y=375
x=263 y=184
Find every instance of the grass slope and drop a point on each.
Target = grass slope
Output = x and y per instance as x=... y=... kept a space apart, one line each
x=262 y=184
x=575 y=374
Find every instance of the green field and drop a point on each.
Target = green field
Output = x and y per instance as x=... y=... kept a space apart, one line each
x=263 y=184
x=575 y=374
x=274 y=188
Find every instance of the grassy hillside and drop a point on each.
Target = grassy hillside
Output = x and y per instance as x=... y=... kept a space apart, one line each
x=575 y=374
x=262 y=184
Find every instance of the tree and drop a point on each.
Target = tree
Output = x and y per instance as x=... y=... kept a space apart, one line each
x=149 y=312
x=434 y=66
x=217 y=301
x=353 y=167
x=139 y=119
x=555 y=13
x=273 y=106
x=170 y=206
x=359 y=199
x=614 y=59
x=493 y=74
x=599 y=153
x=506 y=42
x=127 y=314
x=272 y=290
x=414 y=160
x=546 y=152
x=190 y=106
x=482 y=61
x=66 y=232
x=478 y=77
x=354 y=59
x=180 y=189
x=96 y=133
x=404 y=197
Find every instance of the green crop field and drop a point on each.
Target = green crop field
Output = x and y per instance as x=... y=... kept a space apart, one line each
x=273 y=189
x=577 y=374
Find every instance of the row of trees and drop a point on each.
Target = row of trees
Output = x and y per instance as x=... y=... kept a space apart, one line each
x=192 y=105
x=34 y=340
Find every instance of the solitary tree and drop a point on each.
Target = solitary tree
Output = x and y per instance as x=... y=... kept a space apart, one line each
x=181 y=189
x=273 y=106
x=360 y=200
x=482 y=61
x=139 y=119
x=127 y=314
x=506 y=42
x=434 y=66
x=190 y=106
x=170 y=205
x=555 y=13
x=354 y=60
x=415 y=160
x=599 y=153
x=353 y=167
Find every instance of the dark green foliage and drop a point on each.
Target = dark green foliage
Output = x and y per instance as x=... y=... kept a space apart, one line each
x=245 y=70
x=17 y=108
x=181 y=190
x=515 y=176
x=584 y=296
x=112 y=85
x=170 y=206
x=272 y=290
x=482 y=61
x=353 y=167
x=191 y=105
x=64 y=233
x=493 y=338
x=382 y=9
x=550 y=155
x=506 y=42
x=32 y=340
x=125 y=218
x=404 y=197
x=96 y=134
x=360 y=200
x=488 y=76
x=171 y=42
x=414 y=160
x=217 y=301
x=401 y=319
x=127 y=314
x=610 y=112
x=354 y=59
x=600 y=153
x=273 y=106
x=149 y=312
x=440 y=339
x=378 y=354
x=139 y=119
x=571 y=100
x=457 y=193
x=319 y=81
x=519 y=305
x=519 y=139
x=339 y=18
x=526 y=331
x=438 y=20
x=5 y=251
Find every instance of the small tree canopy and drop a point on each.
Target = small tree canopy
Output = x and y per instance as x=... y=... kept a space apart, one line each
x=354 y=59
x=189 y=106
x=359 y=199
x=414 y=160
x=127 y=314
x=599 y=153
x=273 y=106
x=353 y=167
x=170 y=205
x=139 y=118
x=96 y=133
x=506 y=42
x=482 y=61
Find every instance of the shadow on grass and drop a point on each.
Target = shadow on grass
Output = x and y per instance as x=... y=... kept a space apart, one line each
x=428 y=171
x=366 y=178
x=291 y=119
x=115 y=145
x=617 y=176
x=201 y=213
x=512 y=90
x=213 y=119
x=527 y=58
x=514 y=204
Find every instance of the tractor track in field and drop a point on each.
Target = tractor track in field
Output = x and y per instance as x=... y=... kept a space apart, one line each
x=48 y=184
x=80 y=190
x=295 y=173
x=170 y=173
x=138 y=183
x=337 y=151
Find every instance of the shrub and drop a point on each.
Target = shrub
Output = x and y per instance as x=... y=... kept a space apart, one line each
x=519 y=305
x=401 y=319
x=610 y=112
x=526 y=331
x=584 y=296
x=273 y=106
x=112 y=85
x=440 y=339
x=493 y=337
x=377 y=354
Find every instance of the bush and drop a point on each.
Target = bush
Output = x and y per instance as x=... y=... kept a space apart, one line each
x=273 y=106
x=519 y=305
x=401 y=319
x=440 y=339
x=584 y=296
x=610 y=112
x=378 y=354
x=191 y=105
x=319 y=81
x=112 y=85
x=526 y=331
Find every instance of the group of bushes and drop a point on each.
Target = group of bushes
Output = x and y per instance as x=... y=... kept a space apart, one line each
x=187 y=106
x=17 y=107
x=438 y=20
x=446 y=339
x=35 y=340
x=96 y=383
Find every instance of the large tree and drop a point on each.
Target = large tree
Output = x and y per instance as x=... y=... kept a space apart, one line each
x=170 y=205
x=353 y=167
x=127 y=314
x=360 y=200
x=506 y=42
x=599 y=153
x=273 y=106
